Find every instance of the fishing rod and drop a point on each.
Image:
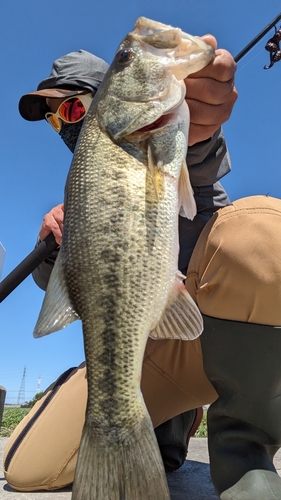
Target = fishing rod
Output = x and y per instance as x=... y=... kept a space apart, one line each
x=47 y=246
x=272 y=45
x=27 y=266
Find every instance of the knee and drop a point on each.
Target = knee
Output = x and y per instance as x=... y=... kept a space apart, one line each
x=235 y=269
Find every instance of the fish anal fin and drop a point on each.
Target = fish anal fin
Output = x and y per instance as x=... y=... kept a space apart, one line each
x=181 y=318
x=187 y=205
x=56 y=311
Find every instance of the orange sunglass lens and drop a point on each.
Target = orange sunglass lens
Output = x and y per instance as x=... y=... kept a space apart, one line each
x=72 y=110
x=55 y=122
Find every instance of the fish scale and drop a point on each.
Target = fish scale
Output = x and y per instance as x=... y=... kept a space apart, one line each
x=117 y=266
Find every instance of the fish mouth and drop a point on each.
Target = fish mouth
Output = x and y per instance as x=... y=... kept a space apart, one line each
x=161 y=122
x=168 y=117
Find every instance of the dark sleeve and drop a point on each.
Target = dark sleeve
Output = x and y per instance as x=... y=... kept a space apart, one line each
x=41 y=274
x=207 y=162
x=208 y=200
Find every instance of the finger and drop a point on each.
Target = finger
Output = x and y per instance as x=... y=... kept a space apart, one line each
x=50 y=226
x=210 y=91
x=58 y=214
x=210 y=40
x=222 y=68
x=53 y=223
x=209 y=114
x=43 y=233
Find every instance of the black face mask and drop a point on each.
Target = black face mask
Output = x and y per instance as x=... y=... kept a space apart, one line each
x=69 y=134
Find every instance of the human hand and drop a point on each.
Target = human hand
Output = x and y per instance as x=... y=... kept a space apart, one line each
x=53 y=223
x=211 y=94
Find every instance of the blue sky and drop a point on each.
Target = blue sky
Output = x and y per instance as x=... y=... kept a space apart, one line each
x=34 y=160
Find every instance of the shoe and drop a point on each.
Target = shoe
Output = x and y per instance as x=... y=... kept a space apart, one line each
x=173 y=437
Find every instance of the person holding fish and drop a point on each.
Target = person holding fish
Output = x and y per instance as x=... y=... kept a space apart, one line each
x=235 y=287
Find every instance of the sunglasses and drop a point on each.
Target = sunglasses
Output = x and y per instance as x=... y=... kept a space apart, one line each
x=71 y=110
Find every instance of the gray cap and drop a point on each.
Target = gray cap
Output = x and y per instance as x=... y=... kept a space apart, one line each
x=70 y=75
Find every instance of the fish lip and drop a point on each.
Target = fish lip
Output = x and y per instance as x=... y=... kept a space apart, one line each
x=152 y=127
x=163 y=121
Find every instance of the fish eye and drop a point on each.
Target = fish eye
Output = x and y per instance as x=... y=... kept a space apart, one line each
x=124 y=56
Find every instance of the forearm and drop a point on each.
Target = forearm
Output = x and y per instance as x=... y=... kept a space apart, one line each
x=208 y=161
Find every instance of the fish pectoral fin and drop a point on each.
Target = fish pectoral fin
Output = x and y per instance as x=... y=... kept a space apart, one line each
x=56 y=311
x=187 y=205
x=181 y=318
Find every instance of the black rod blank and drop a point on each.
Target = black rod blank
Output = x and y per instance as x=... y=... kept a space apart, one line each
x=27 y=266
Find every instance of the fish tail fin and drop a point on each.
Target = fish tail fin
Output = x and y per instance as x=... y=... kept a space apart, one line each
x=120 y=467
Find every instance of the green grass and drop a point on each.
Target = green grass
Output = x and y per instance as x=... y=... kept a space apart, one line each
x=202 y=429
x=13 y=416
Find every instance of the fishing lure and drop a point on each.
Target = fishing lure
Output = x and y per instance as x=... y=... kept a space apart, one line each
x=273 y=47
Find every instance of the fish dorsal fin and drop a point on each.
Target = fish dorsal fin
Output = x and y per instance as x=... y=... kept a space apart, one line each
x=187 y=205
x=56 y=311
x=181 y=318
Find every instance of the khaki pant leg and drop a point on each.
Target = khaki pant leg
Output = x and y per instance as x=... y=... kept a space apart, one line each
x=235 y=269
x=173 y=379
x=46 y=457
x=234 y=273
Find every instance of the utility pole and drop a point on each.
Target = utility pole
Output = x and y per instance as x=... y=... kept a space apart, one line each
x=21 y=395
x=38 y=384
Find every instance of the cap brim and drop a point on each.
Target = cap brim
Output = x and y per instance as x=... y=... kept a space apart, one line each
x=33 y=106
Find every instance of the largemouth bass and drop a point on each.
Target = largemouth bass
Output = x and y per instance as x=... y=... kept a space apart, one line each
x=117 y=266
